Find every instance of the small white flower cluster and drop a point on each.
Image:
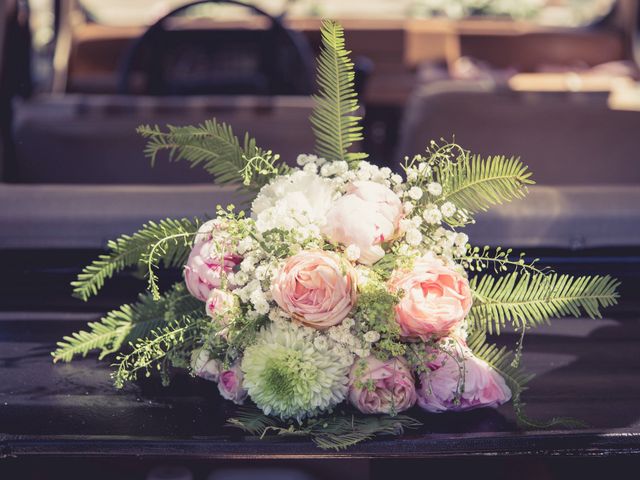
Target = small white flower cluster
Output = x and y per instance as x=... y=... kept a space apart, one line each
x=344 y=335
x=426 y=215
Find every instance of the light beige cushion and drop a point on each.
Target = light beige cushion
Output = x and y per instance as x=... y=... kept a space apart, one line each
x=86 y=216
x=67 y=216
x=564 y=217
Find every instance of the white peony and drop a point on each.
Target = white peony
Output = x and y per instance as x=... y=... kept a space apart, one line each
x=293 y=201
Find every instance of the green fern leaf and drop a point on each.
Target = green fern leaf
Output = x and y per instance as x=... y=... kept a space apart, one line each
x=474 y=184
x=127 y=324
x=334 y=124
x=331 y=432
x=339 y=432
x=252 y=421
x=172 y=241
x=531 y=299
x=213 y=146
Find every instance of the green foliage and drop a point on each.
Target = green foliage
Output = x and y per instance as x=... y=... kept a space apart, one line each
x=474 y=184
x=376 y=311
x=499 y=260
x=335 y=126
x=527 y=299
x=334 y=432
x=151 y=350
x=214 y=146
x=384 y=267
x=168 y=238
x=127 y=324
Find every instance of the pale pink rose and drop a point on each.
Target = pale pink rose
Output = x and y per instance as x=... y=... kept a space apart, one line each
x=316 y=288
x=230 y=384
x=381 y=386
x=205 y=267
x=457 y=380
x=366 y=216
x=203 y=366
x=435 y=300
x=220 y=304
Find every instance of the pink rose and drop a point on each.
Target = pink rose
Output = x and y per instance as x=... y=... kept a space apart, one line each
x=316 y=288
x=230 y=384
x=220 y=305
x=203 y=366
x=436 y=299
x=377 y=386
x=366 y=216
x=205 y=267
x=457 y=380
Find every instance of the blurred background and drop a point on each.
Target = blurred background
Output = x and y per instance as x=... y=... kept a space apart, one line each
x=552 y=81
x=555 y=82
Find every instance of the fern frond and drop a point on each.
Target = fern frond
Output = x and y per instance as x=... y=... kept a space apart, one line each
x=129 y=250
x=332 y=432
x=252 y=421
x=528 y=300
x=105 y=335
x=474 y=184
x=127 y=324
x=335 y=126
x=213 y=146
x=340 y=432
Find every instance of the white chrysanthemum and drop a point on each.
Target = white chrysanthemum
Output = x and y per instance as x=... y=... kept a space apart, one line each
x=290 y=375
x=293 y=201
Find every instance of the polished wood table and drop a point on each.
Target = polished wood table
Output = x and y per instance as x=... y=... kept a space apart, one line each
x=587 y=369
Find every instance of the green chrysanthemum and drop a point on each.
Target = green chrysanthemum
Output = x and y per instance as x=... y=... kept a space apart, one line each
x=290 y=375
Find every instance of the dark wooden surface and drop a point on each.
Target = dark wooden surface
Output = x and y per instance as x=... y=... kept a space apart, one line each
x=587 y=369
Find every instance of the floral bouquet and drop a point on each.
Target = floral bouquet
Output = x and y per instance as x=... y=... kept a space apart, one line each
x=348 y=294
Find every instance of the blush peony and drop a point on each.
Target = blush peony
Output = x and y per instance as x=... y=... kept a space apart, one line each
x=316 y=288
x=377 y=386
x=366 y=216
x=457 y=380
x=435 y=300
x=205 y=267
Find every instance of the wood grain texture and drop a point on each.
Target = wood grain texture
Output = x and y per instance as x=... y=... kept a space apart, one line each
x=587 y=369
